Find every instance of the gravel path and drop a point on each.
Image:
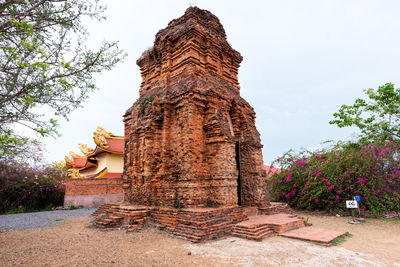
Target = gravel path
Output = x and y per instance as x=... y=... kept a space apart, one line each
x=40 y=219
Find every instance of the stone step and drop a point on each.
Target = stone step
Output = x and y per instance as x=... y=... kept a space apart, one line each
x=255 y=233
x=102 y=223
x=113 y=217
x=260 y=226
x=186 y=236
x=258 y=236
x=278 y=222
x=314 y=234
x=254 y=230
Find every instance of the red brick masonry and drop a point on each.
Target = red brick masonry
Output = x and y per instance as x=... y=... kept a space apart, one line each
x=190 y=135
x=261 y=226
x=93 y=192
x=199 y=224
x=191 y=224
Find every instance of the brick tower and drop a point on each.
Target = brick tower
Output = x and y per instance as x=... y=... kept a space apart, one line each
x=190 y=137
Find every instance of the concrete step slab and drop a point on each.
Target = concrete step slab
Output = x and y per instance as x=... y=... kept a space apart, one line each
x=320 y=235
x=278 y=222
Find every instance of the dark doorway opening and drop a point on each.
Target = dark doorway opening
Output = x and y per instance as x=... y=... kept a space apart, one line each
x=237 y=157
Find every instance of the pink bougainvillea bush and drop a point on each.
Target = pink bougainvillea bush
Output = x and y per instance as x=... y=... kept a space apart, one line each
x=325 y=180
x=26 y=188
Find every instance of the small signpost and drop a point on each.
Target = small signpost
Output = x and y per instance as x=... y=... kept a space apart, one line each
x=353 y=204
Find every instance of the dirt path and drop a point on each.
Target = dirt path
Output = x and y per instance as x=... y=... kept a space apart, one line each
x=376 y=243
x=378 y=237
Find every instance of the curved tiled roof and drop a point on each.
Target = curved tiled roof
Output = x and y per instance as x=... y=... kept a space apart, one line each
x=115 y=144
x=80 y=162
x=271 y=169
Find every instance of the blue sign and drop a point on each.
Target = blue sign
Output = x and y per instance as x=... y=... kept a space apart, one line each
x=357 y=198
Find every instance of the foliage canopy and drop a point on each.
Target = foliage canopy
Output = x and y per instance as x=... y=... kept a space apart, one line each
x=44 y=63
x=378 y=118
x=324 y=180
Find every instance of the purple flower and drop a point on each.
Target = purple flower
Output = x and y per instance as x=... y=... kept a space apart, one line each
x=363 y=181
x=331 y=187
x=288 y=178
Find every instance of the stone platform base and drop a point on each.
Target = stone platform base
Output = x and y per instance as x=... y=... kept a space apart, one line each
x=196 y=224
x=200 y=224
x=261 y=226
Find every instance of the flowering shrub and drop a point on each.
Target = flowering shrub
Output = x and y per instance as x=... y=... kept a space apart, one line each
x=325 y=180
x=28 y=188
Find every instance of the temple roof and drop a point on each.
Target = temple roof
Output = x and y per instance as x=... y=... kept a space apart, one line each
x=106 y=142
x=80 y=162
x=114 y=144
x=271 y=170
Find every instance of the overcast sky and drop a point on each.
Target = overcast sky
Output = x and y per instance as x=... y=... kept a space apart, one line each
x=301 y=61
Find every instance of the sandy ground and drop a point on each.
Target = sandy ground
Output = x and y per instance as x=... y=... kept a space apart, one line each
x=75 y=243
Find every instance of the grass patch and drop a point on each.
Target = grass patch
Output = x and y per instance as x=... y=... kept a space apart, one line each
x=25 y=209
x=340 y=239
x=73 y=207
x=306 y=221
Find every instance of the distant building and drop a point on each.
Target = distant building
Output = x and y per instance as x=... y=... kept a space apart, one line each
x=271 y=170
x=96 y=176
x=106 y=160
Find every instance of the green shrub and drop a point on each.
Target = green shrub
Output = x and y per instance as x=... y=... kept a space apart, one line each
x=177 y=202
x=325 y=180
x=25 y=188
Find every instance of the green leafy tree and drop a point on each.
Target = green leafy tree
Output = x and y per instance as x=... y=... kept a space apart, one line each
x=44 y=63
x=377 y=118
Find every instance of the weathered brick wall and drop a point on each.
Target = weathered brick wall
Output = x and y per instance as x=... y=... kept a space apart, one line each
x=190 y=132
x=93 y=186
x=93 y=192
x=199 y=224
x=191 y=224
